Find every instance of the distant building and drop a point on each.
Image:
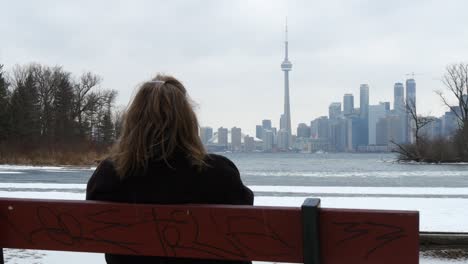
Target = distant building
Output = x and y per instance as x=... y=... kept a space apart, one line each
x=364 y=101
x=322 y=127
x=303 y=131
x=387 y=105
x=319 y=127
x=356 y=130
x=348 y=104
x=223 y=137
x=449 y=124
x=364 y=110
x=275 y=135
x=283 y=139
x=334 y=110
x=399 y=108
x=411 y=104
x=338 y=134
x=249 y=144
x=411 y=92
x=399 y=98
x=259 y=132
x=376 y=112
x=206 y=133
x=382 y=131
x=267 y=140
x=433 y=130
x=266 y=124
x=397 y=128
x=282 y=122
x=236 y=139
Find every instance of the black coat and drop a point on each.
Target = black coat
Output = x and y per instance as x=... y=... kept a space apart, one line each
x=218 y=183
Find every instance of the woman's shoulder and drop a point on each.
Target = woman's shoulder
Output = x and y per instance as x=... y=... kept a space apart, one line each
x=103 y=180
x=219 y=161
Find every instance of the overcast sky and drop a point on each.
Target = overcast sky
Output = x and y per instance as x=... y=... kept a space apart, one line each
x=228 y=53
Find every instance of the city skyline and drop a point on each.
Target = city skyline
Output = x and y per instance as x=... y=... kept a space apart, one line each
x=367 y=128
x=226 y=52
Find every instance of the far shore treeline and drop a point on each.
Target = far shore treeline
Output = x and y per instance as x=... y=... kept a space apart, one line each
x=51 y=116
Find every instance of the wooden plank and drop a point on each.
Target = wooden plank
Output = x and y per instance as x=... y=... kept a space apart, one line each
x=207 y=231
x=369 y=236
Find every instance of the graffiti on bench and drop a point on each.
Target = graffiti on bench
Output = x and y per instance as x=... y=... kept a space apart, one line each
x=356 y=230
x=175 y=230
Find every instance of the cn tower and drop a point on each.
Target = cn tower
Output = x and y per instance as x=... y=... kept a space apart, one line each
x=286 y=66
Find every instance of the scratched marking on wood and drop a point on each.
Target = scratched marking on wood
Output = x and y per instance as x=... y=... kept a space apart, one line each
x=219 y=232
x=366 y=236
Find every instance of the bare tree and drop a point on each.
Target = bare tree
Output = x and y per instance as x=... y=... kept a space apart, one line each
x=84 y=100
x=417 y=122
x=456 y=82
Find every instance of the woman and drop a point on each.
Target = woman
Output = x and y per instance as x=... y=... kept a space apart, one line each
x=159 y=159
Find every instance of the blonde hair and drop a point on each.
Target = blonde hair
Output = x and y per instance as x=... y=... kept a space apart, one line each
x=159 y=121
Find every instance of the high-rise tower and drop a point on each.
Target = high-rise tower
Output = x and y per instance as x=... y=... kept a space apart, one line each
x=399 y=97
x=411 y=106
x=364 y=113
x=286 y=66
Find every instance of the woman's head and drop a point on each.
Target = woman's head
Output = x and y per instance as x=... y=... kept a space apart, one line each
x=159 y=121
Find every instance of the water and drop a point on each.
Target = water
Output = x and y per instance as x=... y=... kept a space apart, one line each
x=345 y=169
x=290 y=169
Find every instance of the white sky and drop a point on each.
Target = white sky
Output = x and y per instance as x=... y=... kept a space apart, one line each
x=228 y=53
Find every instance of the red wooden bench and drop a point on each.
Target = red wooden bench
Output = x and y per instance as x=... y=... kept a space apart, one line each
x=307 y=234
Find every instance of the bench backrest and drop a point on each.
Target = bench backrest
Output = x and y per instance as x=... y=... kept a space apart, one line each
x=279 y=234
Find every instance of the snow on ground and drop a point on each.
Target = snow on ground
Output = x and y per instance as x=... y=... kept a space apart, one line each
x=42 y=185
x=359 y=190
x=283 y=189
x=375 y=174
x=4 y=167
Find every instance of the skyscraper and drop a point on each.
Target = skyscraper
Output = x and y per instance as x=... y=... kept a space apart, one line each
x=206 y=133
x=266 y=124
x=283 y=139
x=322 y=127
x=236 y=135
x=348 y=104
x=223 y=137
x=411 y=93
x=267 y=140
x=376 y=112
x=303 y=131
x=364 y=101
x=249 y=144
x=398 y=97
x=399 y=108
x=259 y=132
x=364 y=111
x=334 y=110
x=411 y=106
x=286 y=66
